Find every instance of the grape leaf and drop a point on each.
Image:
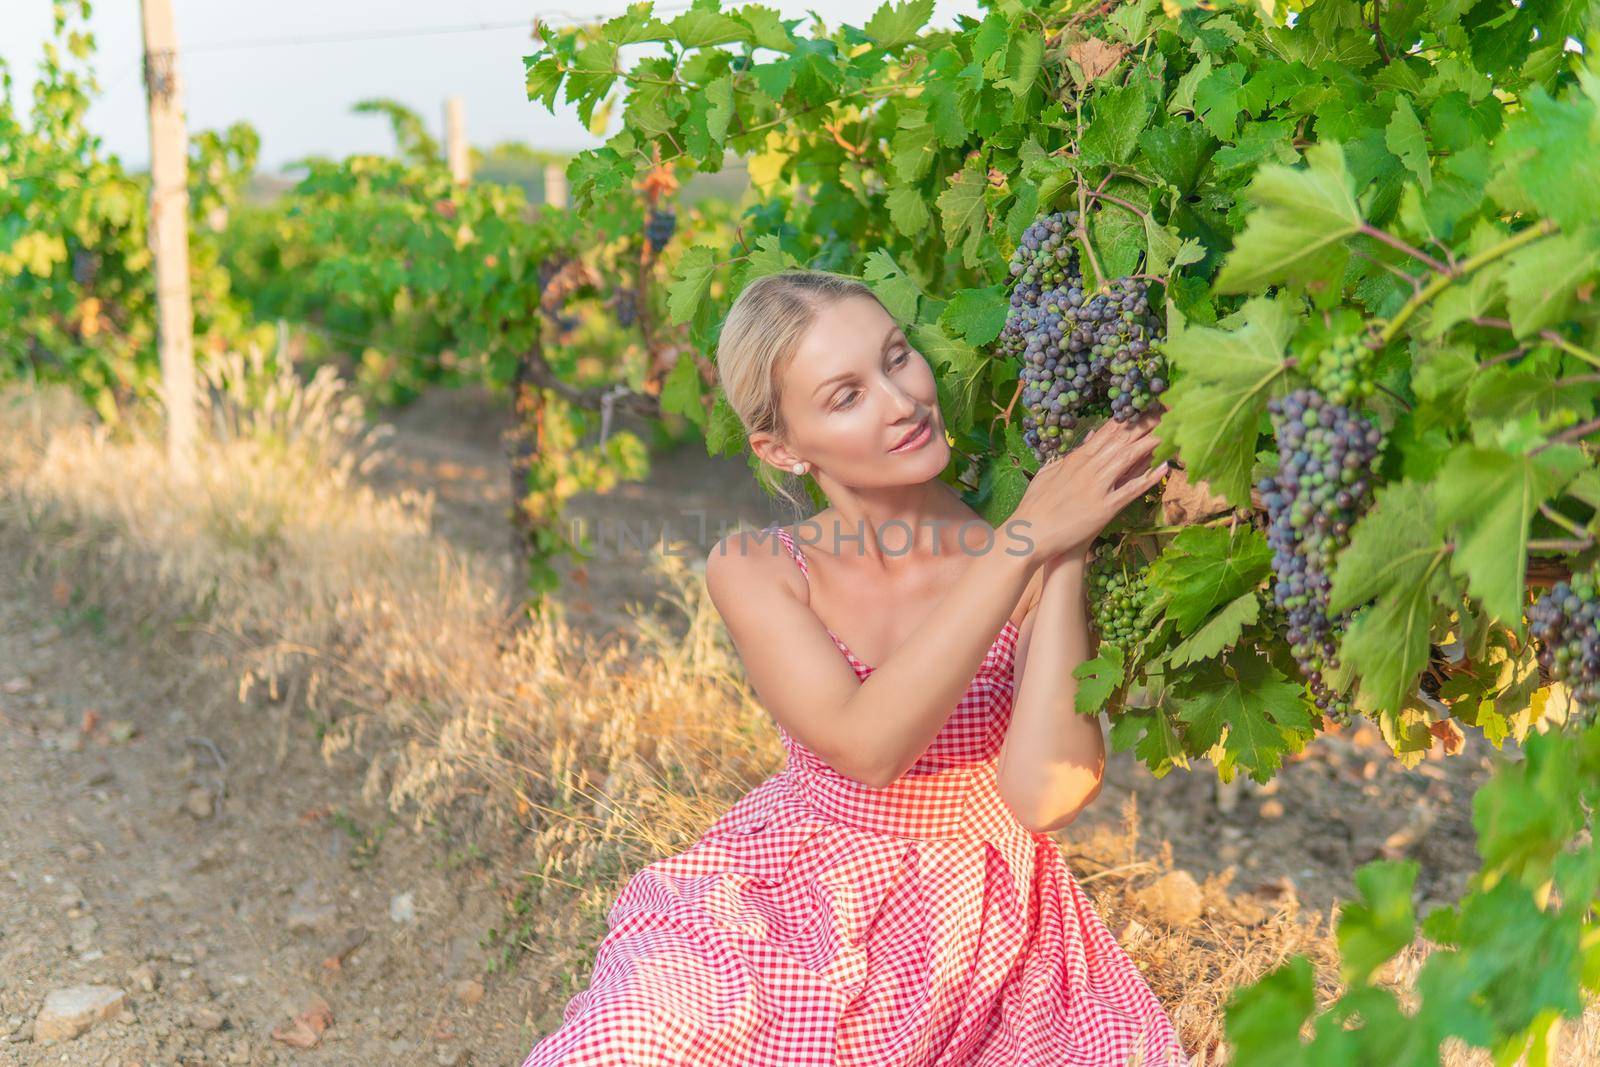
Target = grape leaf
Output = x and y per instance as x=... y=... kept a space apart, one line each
x=719 y=109
x=1396 y=556
x=1223 y=382
x=1024 y=62
x=693 y=284
x=1218 y=632
x=1217 y=100
x=1118 y=237
x=1152 y=735
x=893 y=25
x=1120 y=112
x=1500 y=695
x=1529 y=810
x=704 y=26
x=1442 y=376
x=977 y=314
x=1372 y=929
x=725 y=434
x=1263 y=1020
x=1263 y=712
x=1471 y=296
x=962 y=209
x=1541 y=279
x=1177 y=152
x=1206 y=566
x=1540 y=167
x=898 y=291
x=1097 y=679
x=1509 y=961
x=1132 y=19
x=908 y=210
x=1486 y=501
x=1007 y=484
x=911 y=150
x=1586 y=487
x=769 y=257
x=960 y=368
x=543 y=79
x=1405 y=137
x=1166 y=251
x=593 y=73
x=1296 y=231
x=681 y=391
x=767 y=27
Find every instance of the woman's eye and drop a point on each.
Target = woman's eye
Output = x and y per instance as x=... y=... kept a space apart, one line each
x=850 y=398
x=904 y=357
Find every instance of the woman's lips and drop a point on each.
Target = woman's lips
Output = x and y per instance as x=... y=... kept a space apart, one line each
x=918 y=437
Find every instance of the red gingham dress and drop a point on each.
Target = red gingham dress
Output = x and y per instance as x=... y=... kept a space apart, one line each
x=821 y=921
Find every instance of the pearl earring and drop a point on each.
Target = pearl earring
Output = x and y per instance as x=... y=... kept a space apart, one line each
x=799 y=468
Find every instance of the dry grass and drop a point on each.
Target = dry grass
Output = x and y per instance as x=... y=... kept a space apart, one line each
x=330 y=601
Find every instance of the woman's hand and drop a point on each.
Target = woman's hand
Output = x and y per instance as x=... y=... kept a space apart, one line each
x=1073 y=497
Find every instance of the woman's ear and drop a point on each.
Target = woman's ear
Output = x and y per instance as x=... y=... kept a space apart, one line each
x=770 y=450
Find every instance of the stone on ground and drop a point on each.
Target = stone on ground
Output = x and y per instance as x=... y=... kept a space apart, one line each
x=69 y=1012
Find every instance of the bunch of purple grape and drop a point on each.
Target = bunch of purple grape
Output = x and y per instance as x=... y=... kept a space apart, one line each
x=1083 y=354
x=1127 y=340
x=1565 y=621
x=1327 y=460
x=659 y=227
x=1045 y=258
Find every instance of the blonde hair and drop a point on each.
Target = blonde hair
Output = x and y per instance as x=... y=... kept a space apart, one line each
x=758 y=341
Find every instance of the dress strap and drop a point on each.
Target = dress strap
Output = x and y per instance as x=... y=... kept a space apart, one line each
x=794 y=550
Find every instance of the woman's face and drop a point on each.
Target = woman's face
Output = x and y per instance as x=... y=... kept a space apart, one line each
x=854 y=391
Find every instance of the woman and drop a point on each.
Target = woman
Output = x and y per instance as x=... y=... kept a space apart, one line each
x=892 y=897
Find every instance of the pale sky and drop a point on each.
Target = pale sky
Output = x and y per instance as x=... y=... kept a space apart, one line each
x=298 y=95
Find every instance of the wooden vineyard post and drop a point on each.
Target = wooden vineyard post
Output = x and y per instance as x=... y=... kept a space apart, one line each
x=455 y=140
x=555 y=185
x=169 y=230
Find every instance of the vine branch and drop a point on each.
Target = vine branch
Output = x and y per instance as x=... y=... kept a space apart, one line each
x=1543 y=228
x=1385 y=237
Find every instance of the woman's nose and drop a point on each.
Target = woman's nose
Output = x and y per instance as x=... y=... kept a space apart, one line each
x=901 y=402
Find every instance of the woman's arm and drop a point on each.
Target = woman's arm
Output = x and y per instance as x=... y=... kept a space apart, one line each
x=1052 y=758
x=871 y=731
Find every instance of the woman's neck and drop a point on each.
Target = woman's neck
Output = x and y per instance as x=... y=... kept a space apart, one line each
x=889 y=526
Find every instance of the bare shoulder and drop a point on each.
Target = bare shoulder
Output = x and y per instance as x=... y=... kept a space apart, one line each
x=748 y=565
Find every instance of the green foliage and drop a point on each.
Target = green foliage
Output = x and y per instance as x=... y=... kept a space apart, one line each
x=1398 y=179
x=77 y=297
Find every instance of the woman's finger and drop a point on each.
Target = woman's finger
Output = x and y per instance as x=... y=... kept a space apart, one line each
x=1134 y=456
x=1137 y=487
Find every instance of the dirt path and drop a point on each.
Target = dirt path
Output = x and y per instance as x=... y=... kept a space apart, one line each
x=449 y=441
x=221 y=898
